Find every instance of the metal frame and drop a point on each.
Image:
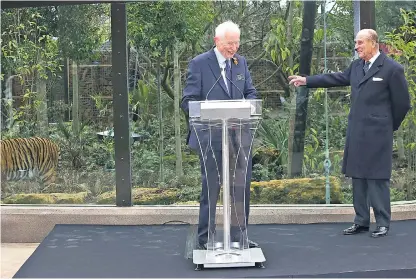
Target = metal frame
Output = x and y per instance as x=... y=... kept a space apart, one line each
x=121 y=104
x=367 y=14
x=8 y=4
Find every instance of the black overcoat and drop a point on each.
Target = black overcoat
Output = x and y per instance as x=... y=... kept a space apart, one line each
x=379 y=103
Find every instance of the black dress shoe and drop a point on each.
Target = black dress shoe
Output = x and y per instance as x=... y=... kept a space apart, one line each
x=201 y=246
x=354 y=229
x=380 y=231
x=252 y=244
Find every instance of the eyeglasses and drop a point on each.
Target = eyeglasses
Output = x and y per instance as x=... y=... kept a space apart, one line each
x=236 y=43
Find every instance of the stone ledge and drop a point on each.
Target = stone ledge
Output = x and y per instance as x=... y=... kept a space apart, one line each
x=31 y=223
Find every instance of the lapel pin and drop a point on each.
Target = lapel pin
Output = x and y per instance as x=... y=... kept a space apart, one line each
x=235 y=61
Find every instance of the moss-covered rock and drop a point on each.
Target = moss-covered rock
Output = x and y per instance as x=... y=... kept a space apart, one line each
x=295 y=191
x=63 y=188
x=76 y=198
x=291 y=191
x=30 y=199
x=187 y=203
x=107 y=198
x=154 y=195
x=52 y=198
x=286 y=191
x=143 y=196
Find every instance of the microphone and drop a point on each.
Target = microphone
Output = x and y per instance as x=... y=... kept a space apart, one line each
x=209 y=91
x=235 y=86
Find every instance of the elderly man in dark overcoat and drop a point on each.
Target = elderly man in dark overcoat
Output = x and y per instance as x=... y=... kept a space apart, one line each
x=379 y=103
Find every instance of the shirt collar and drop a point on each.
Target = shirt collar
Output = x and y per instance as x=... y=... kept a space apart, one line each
x=220 y=58
x=374 y=58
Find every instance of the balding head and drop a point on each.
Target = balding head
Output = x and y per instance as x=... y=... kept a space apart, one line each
x=366 y=43
x=369 y=34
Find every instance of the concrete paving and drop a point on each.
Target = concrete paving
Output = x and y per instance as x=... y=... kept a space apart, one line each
x=13 y=256
x=31 y=224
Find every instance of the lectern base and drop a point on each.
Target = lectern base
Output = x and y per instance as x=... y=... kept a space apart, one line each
x=232 y=258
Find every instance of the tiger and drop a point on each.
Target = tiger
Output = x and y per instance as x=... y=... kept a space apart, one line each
x=26 y=158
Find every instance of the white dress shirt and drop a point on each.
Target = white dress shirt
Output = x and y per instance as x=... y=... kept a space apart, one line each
x=373 y=59
x=222 y=65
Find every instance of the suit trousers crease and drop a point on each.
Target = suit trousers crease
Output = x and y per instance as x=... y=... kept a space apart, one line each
x=211 y=174
x=374 y=193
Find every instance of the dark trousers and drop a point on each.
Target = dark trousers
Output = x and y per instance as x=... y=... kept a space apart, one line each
x=374 y=193
x=240 y=177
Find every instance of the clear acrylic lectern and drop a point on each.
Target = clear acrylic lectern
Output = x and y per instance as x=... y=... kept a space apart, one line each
x=225 y=132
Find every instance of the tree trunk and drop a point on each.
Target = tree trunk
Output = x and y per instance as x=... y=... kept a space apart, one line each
x=8 y=102
x=66 y=69
x=292 y=97
x=289 y=38
x=298 y=127
x=319 y=46
x=41 y=108
x=159 y=91
x=75 y=99
x=177 y=99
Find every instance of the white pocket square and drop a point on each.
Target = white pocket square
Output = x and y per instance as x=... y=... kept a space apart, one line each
x=377 y=79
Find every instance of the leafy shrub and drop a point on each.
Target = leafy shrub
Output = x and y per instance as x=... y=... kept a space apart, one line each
x=295 y=191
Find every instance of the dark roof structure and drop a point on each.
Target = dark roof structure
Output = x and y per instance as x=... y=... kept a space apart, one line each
x=23 y=4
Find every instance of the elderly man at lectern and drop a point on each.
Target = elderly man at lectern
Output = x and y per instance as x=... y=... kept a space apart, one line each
x=220 y=74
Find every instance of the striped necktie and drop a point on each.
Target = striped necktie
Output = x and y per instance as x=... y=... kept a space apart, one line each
x=228 y=75
x=366 y=67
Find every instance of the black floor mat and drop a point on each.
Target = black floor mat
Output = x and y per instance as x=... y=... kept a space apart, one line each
x=312 y=250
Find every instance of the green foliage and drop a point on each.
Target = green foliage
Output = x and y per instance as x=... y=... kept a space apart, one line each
x=187 y=158
x=402 y=43
x=156 y=26
x=315 y=134
x=261 y=173
x=280 y=47
x=189 y=186
x=340 y=28
x=271 y=145
x=143 y=102
x=403 y=46
x=29 y=54
x=389 y=15
x=81 y=29
x=27 y=48
x=73 y=144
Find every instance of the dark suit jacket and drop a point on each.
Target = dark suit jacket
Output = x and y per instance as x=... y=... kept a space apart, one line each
x=203 y=72
x=379 y=103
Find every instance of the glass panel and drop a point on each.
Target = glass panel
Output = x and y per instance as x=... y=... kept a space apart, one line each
x=57 y=129
x=158 y=162
x=56 y=70
x=397 y=41
x=223 y=132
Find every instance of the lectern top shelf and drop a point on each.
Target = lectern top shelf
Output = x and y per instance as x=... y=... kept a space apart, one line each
x=225 y=109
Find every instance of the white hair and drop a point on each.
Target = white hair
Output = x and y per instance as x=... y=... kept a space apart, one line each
x=225 y=27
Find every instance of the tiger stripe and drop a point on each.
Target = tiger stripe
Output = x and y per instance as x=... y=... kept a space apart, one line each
x=23 y=158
